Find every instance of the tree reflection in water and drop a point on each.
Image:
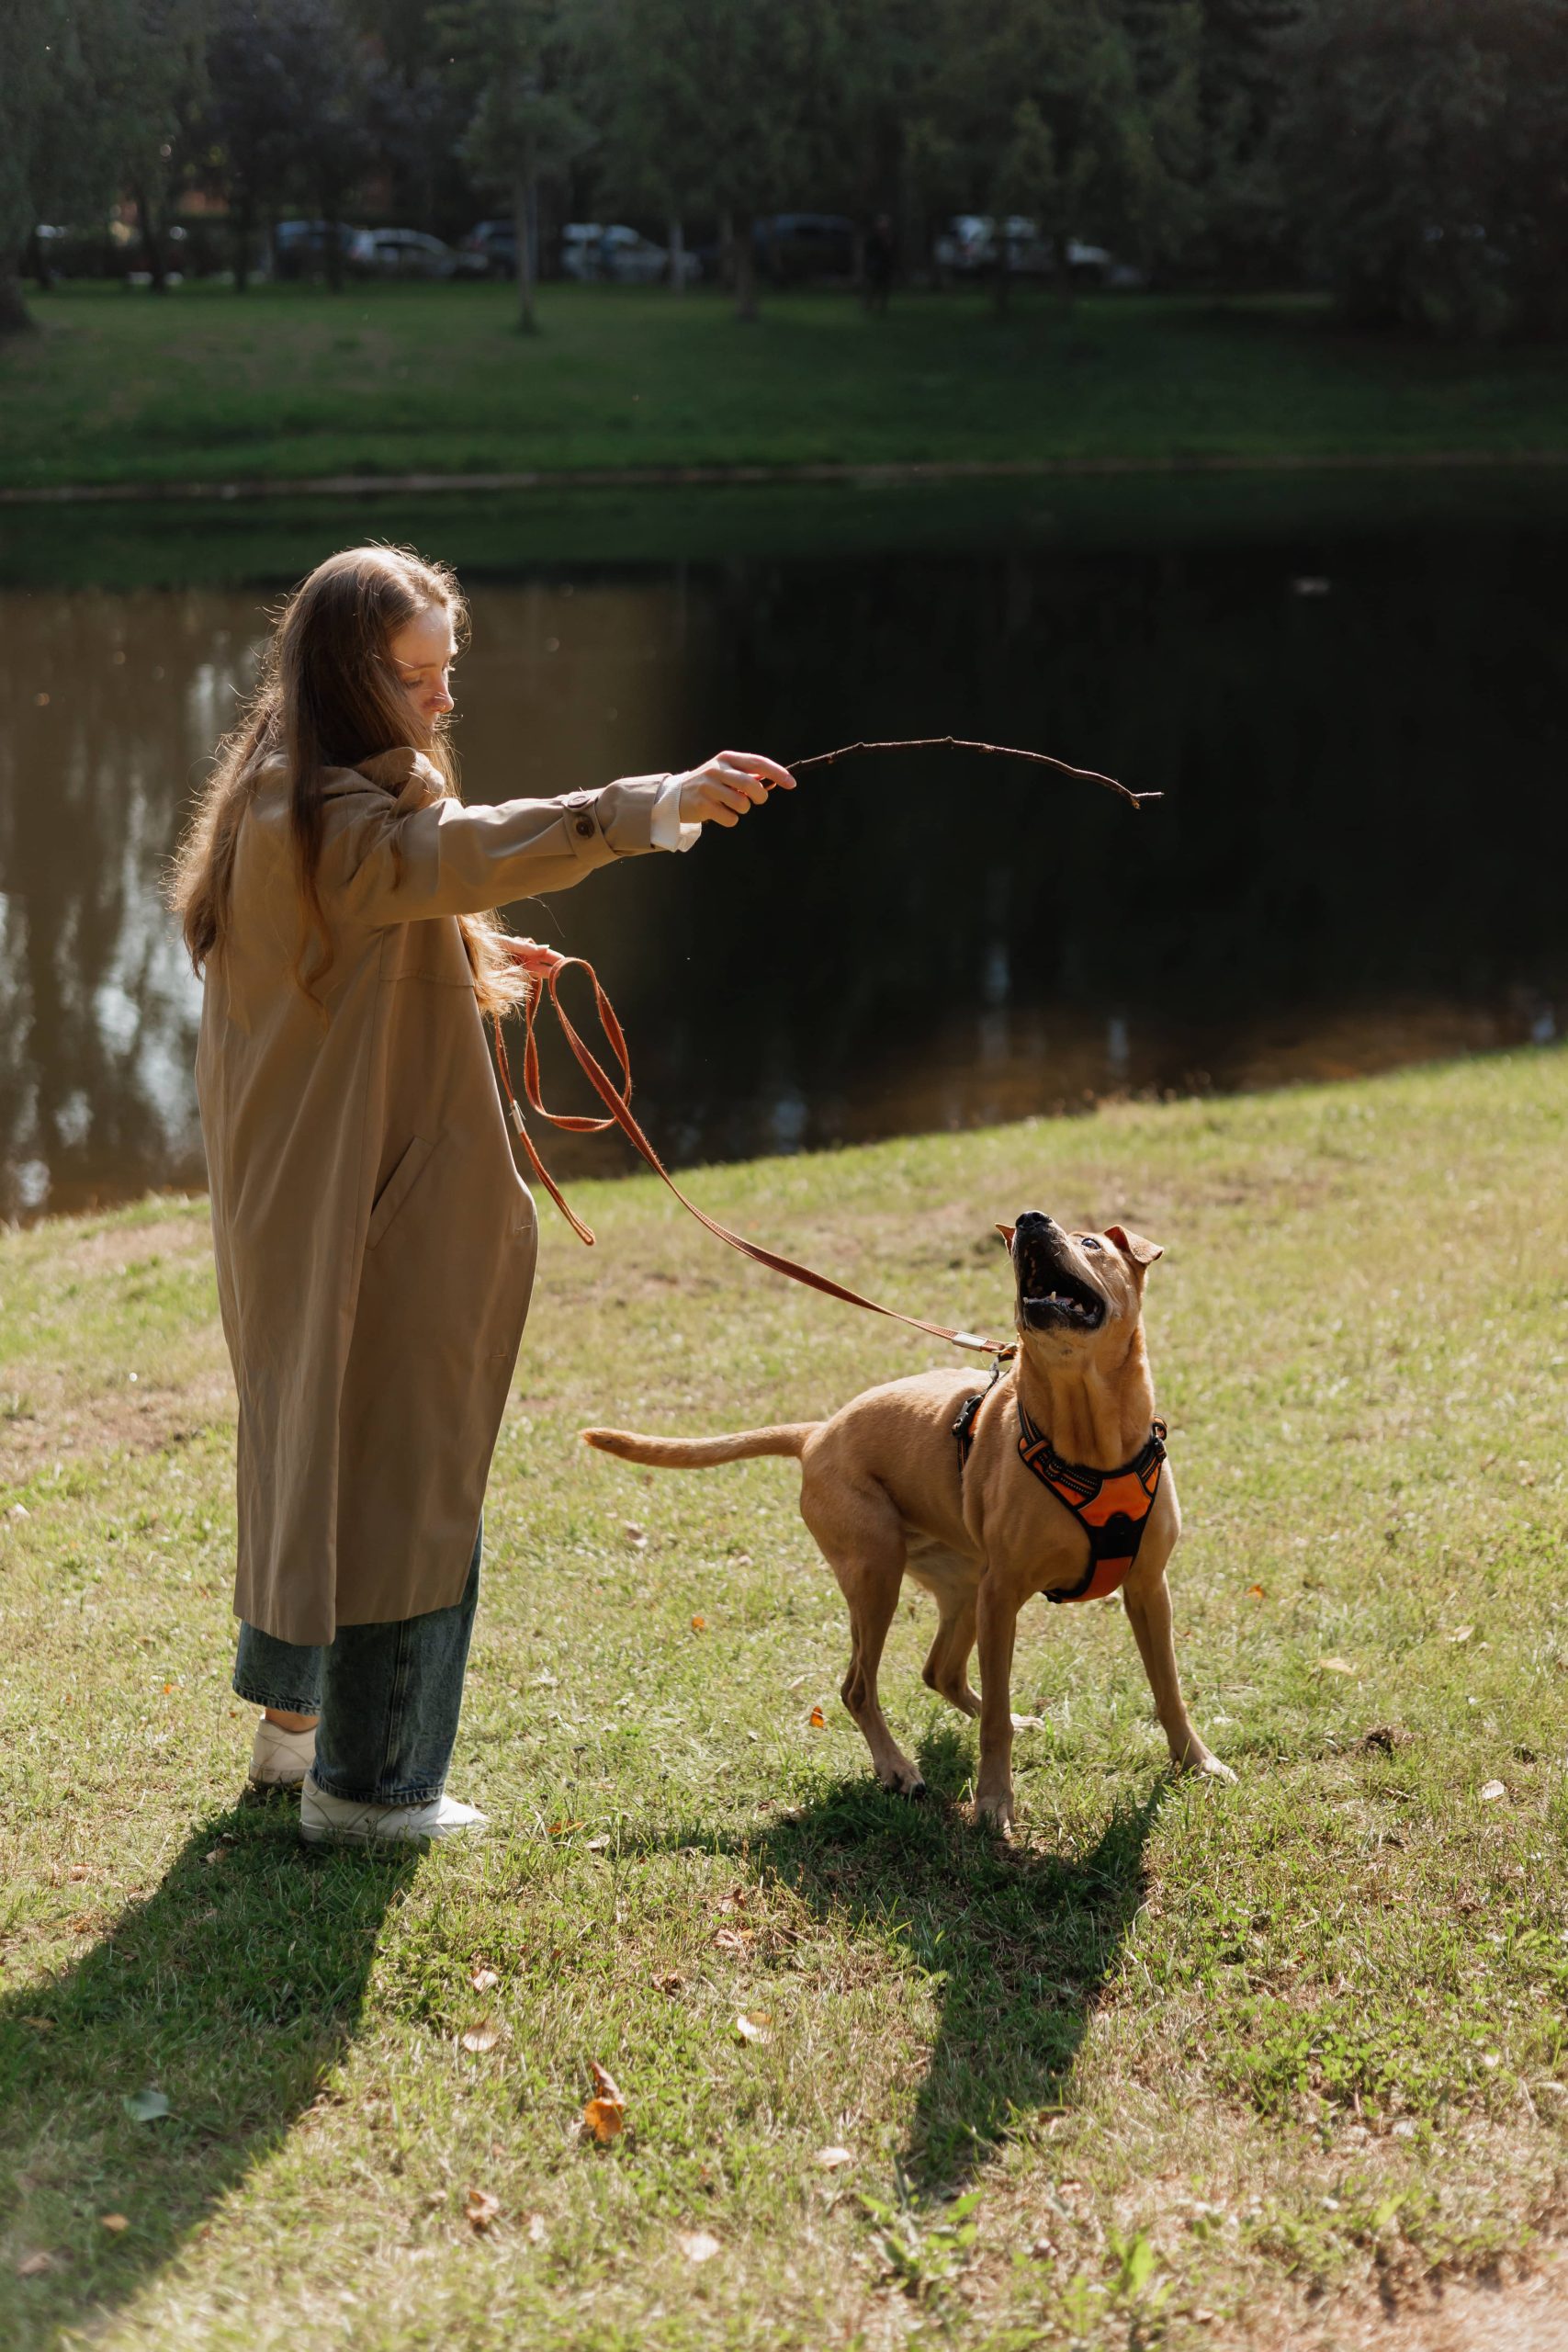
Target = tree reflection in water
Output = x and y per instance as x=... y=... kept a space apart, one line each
x=1357 y=860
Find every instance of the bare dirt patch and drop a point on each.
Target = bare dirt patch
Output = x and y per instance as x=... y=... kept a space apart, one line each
x=144 y=1420
x=116 y=1246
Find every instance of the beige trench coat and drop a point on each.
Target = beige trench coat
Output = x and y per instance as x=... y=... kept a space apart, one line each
x=374 y=1243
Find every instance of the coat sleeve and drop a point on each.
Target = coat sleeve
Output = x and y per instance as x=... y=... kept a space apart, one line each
x=391 y=865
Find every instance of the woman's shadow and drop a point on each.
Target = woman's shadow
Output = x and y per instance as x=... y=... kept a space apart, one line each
x=232 y=1990
x=1018 y=1944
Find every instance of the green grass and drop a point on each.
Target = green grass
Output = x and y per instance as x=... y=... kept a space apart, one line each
x=119 y=388
x=1218 y=2065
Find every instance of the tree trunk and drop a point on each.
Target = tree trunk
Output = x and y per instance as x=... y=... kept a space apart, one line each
x=243 y=224
x=151 y=245
x=677 y=234
x=334 y=245
x=1001 y=283
x=14 y=316
x=745 y=254
x=523 y=219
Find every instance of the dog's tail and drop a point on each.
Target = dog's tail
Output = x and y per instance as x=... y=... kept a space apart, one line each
x=700 y=1453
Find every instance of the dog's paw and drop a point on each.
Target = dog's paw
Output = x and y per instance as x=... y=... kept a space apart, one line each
x=905 y=1782
x=994 y=1814
x=1205 y=1765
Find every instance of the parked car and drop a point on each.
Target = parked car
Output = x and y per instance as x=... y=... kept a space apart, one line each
x=409 y=253
x=300 y=248
x=968 y=245
x=489 y=250
x=793 y=247
x=623 y=256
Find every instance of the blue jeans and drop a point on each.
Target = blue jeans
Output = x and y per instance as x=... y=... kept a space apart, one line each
x=389 y=1697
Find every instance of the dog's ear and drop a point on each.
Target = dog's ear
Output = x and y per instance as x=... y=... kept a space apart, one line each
x=1133 y=1244
x=1007 y=1232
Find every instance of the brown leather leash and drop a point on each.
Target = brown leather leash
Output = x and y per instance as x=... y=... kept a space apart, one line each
x=543 y=967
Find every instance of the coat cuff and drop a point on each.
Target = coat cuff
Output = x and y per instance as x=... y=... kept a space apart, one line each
x=616 y=820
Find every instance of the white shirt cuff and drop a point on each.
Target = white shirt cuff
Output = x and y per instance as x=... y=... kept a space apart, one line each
x=667 y=830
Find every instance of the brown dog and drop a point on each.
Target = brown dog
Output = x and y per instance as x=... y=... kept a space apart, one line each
x=1011 y=1506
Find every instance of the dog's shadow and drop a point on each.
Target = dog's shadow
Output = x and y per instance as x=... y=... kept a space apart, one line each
x=1017 y=1945
x=232 y=1989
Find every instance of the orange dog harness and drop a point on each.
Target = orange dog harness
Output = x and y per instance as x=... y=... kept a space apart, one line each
x=1112 y=1507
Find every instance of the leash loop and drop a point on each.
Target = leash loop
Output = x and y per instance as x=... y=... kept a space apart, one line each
x=543 y=967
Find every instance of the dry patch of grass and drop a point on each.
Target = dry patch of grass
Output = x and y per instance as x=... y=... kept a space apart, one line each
x=1283 y=2063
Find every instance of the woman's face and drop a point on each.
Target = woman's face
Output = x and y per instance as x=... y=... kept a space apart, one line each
x=423 y=653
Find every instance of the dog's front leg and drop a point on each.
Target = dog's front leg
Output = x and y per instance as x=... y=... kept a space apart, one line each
x=997 y=1616
x=1147 y=1598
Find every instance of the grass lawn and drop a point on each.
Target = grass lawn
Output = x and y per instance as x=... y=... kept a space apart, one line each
x=118 y=387
x=1217 y=2065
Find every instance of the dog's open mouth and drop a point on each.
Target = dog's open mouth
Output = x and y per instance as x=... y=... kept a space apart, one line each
x=1050 y=1295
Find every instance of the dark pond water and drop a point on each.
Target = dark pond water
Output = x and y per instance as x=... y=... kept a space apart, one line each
x=1358 y=858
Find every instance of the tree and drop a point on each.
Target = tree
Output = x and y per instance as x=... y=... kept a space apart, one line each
x=524 y=125
x=144 y=61
x=42 y=74
x=1420 y=152
x=253 y=63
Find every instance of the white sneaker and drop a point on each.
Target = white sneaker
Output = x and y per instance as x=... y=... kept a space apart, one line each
x=325 y=1820
x=279 y=1758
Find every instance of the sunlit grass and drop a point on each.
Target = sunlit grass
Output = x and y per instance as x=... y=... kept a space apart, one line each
x=1197 y=2050
x=119 y=387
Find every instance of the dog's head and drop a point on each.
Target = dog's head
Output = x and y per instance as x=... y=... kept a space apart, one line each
x=1079 y=1295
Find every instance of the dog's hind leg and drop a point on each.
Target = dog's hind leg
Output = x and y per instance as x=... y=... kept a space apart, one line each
x=947 y=1668
x=862 y=1540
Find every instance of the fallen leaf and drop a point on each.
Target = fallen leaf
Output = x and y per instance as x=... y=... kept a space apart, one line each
x=1335 y=1666
x=753 y=2029
x=833 y=2159
x=816 y=1719
x=699 y=1625
x=481 y=2038
x=482 y=2209
x=535 y=2225
x=734 y=1939
x=216 y=1855
x=604 y=2114
x=146 y=2107
x=672 y=1983
x=1492 y=1791
x=82 y=1925
x=1385 y=1737
x=33 y=2265
x=484 y=1980
x=1029 y=1723
x=114 y=2221
x=562 y=1829
x=77 y=1869
x=597 y=1845
x=20 y=1510
x=798 y=1680
x=40 y=2025
x=1254 y=1592
x=696 y=2244
x=1460 y=1633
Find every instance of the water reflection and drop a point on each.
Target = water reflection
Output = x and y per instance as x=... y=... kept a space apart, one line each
x=1357 y=860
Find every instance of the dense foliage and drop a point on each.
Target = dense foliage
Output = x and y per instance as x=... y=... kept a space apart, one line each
x=1405 y=153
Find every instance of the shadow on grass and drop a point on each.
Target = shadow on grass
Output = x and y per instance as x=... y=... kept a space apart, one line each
x=1019 y=1944
x=233 y=1988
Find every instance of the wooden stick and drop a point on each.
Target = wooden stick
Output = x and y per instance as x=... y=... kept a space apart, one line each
x=961 y=744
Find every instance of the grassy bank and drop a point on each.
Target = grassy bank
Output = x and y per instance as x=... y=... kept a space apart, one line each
x=1223 y=2065
x=116 y=387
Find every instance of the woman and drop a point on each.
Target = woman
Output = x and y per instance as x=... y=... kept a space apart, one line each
x=375 y=1244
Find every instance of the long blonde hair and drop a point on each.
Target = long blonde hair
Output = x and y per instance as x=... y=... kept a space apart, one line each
x=326 y=700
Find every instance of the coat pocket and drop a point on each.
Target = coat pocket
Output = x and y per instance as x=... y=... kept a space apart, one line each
x=397 y=1188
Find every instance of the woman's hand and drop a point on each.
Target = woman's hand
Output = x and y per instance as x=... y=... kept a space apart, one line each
x=722 y=790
